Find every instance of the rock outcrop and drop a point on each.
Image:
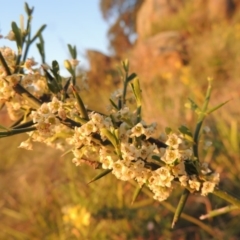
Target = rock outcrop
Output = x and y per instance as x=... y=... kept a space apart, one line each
x=156 y=53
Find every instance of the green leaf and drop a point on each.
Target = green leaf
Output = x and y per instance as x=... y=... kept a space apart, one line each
x=39 y=32
x=125 y=65
x=28 y=10
x=184 y=130
x=2 y=127
x=79 y=119
x=136 y=193
x=41 y=49
x=65 y=89
x=180 y=206
x=33 y=101
x=120 y=72
x=207 y=96
x=201 y=117
x=55 y=68
x=113 y=104
x=156 y=158
x=217 y=107
x=111 y=137
x=218 y=212
x=18 y=36
x=116 y=133
x=67 y=152
x=55 y=72
x=67 y=84
x=168 y=130
x=131 y=77
x=137 y=91
x=102 y=174
x=82 y=108
x=16 y=131
x=24 y=125
x=186 y=133
x=193 y=106
x=4 y=63
x=51 y=82
x=69 y=67
x=73 y=51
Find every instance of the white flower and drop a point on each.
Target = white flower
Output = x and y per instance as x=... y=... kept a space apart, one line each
x=45 y=129
x=148 y=150
x=97 y=119
x=173 y=140
x=54 y=105
x=183 y=180
x=51 y=119
x=206 y=129
x=124 y=112
x=107 y=122
x=124 y=132
x=118 y=168
x=130 y=151
x=29 y=63
x=194 y=184
x=207 y=187
x=74 y=62
x=115 y=96
x=137 y=130
x=207 y=144
x=26 y=145
x=88 y=128
x=44 y=110
x=164 y=177
x=204 y=168
x=13 y=79
x=163 y=137
x=62 y=113
x=107 y=162
x=179 y=169
x=28 y=80
x=214 y=177
x=161 y=193
x=186 y=154
x=76 y=161
x=11 y=36
x=139 y=164
x=171 y=155
x=150 y=130
x=36 y=117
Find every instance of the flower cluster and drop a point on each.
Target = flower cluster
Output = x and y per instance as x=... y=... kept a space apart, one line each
x=6 y=82
x=47 y=120
x=33 y=81
x=131 y=156
x=119 y=141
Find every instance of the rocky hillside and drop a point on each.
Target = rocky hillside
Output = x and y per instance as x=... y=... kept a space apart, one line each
x=170 y=32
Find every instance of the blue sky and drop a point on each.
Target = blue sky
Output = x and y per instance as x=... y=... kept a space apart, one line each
x=68 y=21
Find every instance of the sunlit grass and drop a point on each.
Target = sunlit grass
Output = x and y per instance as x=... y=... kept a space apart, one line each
x=37 y=187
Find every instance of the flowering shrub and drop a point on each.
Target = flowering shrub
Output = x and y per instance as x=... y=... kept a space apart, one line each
x=50 y=110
